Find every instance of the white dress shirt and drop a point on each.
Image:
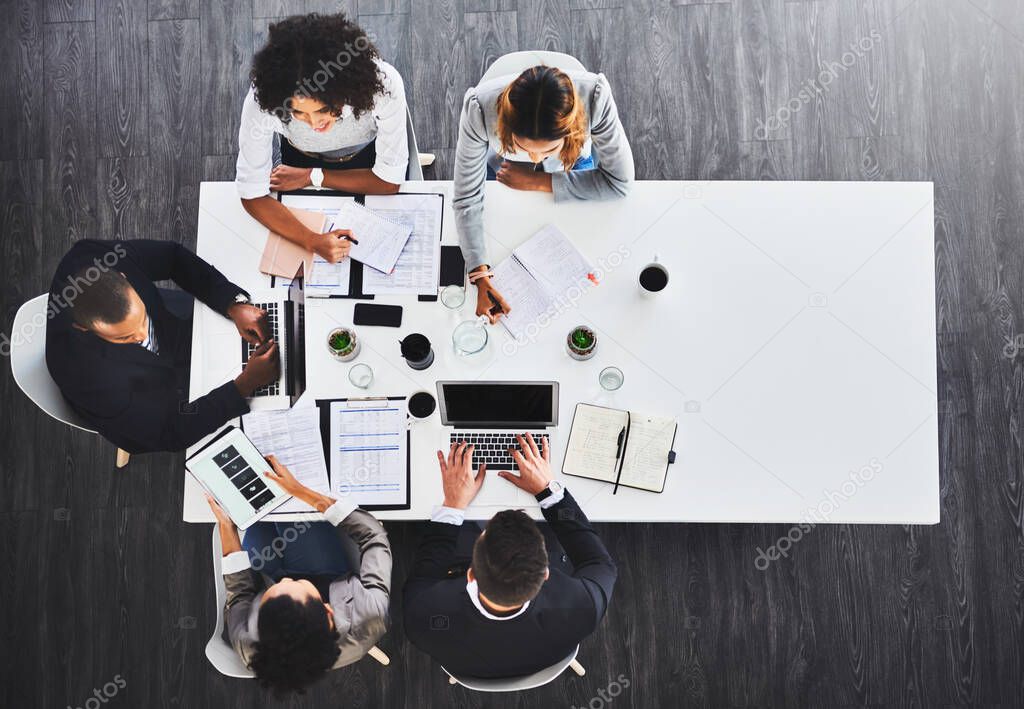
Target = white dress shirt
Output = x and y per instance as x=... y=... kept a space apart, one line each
x=384 y=123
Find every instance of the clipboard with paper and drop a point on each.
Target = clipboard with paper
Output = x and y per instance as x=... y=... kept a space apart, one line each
x=367 y=448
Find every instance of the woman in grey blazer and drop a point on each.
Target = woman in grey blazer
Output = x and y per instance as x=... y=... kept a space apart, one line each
x=545 y=130
x=294 y=608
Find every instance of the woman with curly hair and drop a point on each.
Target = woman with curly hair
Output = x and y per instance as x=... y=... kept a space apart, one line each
x=545 y=130
x=294 y=609
x=335 y=112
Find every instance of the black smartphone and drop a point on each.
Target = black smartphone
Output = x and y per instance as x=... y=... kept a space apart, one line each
x=384 y=315
x=453 y=266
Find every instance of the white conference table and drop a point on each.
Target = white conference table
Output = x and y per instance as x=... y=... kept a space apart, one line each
x=795 y=344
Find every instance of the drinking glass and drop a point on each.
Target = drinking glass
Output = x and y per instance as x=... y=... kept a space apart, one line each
x=361 y=375
x=611 y=378
x=470 y=337
x=453 y=297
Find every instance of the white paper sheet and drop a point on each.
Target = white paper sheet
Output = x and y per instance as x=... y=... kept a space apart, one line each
x=368 y=452
x=326 y=279
x=293 y=437
x=554 y=261
x=380 y=240
x=418 y=269
x=594 y=442
x=526 y=299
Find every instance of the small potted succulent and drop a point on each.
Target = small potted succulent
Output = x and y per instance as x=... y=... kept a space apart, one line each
x=342 y=344
x=581 y=342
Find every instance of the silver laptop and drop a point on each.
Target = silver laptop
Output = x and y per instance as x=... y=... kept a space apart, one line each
x=490 y=414
x=286 y=313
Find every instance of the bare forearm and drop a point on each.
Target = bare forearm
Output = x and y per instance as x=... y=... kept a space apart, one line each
x=229 y=541
x=279 y=219
x=360 y=181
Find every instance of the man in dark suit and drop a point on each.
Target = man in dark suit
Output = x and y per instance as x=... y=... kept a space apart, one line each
x=119 y=347
x=513 y=609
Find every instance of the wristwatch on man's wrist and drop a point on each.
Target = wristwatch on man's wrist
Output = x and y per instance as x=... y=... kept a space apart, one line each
x=316 y=177
x=553 y=487
x=241 y=299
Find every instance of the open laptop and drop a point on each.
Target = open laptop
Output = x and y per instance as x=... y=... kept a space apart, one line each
x=490 y=414
x=286 y=313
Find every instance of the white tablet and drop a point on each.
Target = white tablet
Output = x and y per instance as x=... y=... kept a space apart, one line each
x=231 y=469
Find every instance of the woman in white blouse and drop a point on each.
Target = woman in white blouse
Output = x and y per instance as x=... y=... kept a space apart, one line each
x=323 y=111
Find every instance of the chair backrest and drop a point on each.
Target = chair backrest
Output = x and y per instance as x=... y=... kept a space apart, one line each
x=28 y=363
x=516 y=684
x=518 y=62
x=415 y=171
x=218 y=651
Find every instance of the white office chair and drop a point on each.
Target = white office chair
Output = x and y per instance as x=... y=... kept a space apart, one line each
x=219 y=652
x=516 y=63
x=517 y=684
x=28 y=364
x=417 y=160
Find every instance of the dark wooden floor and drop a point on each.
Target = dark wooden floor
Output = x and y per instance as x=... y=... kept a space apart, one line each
x=113 y=111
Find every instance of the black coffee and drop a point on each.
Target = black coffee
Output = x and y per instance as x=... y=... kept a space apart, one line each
x=421 y=404
x=653 y=279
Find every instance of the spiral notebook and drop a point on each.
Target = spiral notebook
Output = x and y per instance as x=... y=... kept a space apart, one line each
x=620 y=447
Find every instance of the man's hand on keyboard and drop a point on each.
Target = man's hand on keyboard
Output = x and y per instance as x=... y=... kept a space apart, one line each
x=251 y=322
x=262 y=368
x=457 y=478
x=534 y=465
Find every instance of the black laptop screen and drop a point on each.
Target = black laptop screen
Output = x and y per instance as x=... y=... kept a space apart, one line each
x=499 y=404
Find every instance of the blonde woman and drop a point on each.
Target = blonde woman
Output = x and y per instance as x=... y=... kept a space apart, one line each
x=545 y=130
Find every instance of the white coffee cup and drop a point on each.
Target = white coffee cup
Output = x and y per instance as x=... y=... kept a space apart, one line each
x=652 y=279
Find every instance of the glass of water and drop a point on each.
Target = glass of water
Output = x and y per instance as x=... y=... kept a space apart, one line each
x=611 y=378
x=470 y=337
x=361 y=375
x=453 y=297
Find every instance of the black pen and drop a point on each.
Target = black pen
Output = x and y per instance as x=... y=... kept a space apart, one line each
x=343 y=236
x=618 y=455
x=497 y=306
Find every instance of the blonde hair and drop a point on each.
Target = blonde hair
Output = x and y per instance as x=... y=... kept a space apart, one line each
x=542 y=104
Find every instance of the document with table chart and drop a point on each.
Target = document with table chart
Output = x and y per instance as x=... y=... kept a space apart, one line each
x=293 y=437
x=325 y=279
x=537 y=275
x=369 y=458
x=417 y=271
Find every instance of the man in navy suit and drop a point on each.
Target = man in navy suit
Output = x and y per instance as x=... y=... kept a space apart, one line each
x=119 y=347
x=515 y=607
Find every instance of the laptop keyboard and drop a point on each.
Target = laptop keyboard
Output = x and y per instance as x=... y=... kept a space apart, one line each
x=492 y=448
x=274 y=388
x=243 y=477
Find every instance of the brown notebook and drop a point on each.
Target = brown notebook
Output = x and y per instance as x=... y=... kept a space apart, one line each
x=282 y=257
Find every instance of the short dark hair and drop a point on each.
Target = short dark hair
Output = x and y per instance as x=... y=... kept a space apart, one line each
x=102 y=296
x=302 y=49
x=296 y=645
x=510 y=559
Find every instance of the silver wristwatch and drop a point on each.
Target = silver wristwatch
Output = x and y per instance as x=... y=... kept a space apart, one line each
x=316 y=177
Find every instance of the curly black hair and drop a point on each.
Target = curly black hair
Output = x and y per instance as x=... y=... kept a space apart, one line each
x=297 y=644
x=326 y=57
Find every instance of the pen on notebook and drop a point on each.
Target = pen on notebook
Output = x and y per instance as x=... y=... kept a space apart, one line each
x=618 y=455
x=348 y=238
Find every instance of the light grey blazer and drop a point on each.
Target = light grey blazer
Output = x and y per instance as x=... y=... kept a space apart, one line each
x=359 y=601
x=478 y=137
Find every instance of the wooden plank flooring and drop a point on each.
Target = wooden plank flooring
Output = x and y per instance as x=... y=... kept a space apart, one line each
x=114 y=110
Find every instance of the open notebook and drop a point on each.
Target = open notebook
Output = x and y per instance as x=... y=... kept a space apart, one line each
x=538 y=274
x=620 y=447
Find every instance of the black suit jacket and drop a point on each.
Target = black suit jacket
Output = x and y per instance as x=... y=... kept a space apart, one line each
x=133 y=397
x=441 y=620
